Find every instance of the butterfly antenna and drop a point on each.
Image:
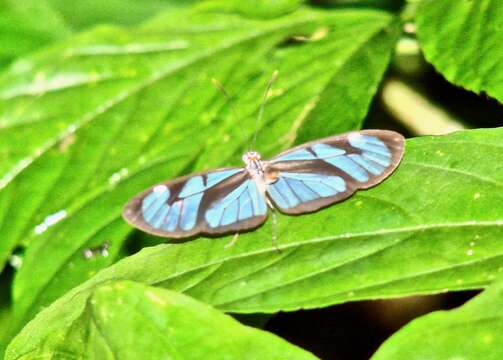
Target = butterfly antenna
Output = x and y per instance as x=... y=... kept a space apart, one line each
x=262 y=105
x=220 y=87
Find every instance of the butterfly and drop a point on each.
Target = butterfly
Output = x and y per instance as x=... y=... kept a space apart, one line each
x=300 y=180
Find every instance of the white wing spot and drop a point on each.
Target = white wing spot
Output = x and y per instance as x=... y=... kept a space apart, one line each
x=159 y=189
x=354 y=135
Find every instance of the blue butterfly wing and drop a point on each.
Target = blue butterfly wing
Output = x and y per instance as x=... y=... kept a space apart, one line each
x=317 y=174
x=213 y=202
x=243 y=207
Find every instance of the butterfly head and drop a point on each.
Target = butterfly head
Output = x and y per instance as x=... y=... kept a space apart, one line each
x=252 y=161
x=251 y=156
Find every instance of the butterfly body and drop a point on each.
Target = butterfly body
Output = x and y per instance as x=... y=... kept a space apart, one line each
x=255 y=168
x=300 y=180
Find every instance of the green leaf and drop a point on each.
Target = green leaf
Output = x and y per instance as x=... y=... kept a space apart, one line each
x=434 y=226
x=126 y=320
x=27 y=25
x=264 y=9
x=343 y=94
x=462 y=39
x=84 y=14
x=89 y=124
x=473 y=331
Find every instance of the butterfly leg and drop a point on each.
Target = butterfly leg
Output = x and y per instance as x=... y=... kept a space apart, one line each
x=274 y=226
x=275 y=230
x=233 y=241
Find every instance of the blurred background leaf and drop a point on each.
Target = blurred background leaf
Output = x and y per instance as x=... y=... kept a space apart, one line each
x=462 y=39
x=472 y=331
x=28 y=25
x=84 y=14
x=126 y=320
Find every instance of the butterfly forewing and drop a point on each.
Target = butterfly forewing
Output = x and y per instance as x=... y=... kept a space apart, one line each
x=319 y=173
x=213 y=202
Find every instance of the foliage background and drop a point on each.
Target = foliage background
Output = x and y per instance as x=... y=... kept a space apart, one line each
x=99 y=100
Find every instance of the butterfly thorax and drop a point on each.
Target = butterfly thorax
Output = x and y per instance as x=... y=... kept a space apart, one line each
x=255 y=168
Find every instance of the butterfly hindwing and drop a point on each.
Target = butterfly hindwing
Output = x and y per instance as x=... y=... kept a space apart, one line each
x=316 y=174
x=242 y=207
x=213 y=202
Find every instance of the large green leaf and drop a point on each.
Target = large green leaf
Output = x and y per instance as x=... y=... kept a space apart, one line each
x=462 y=39
x=434 y=226
x=473 y=331
x=92 y=122
x=126 y=320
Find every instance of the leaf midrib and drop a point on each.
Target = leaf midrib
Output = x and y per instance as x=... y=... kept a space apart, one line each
x=329 y=298
x=382 y=232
